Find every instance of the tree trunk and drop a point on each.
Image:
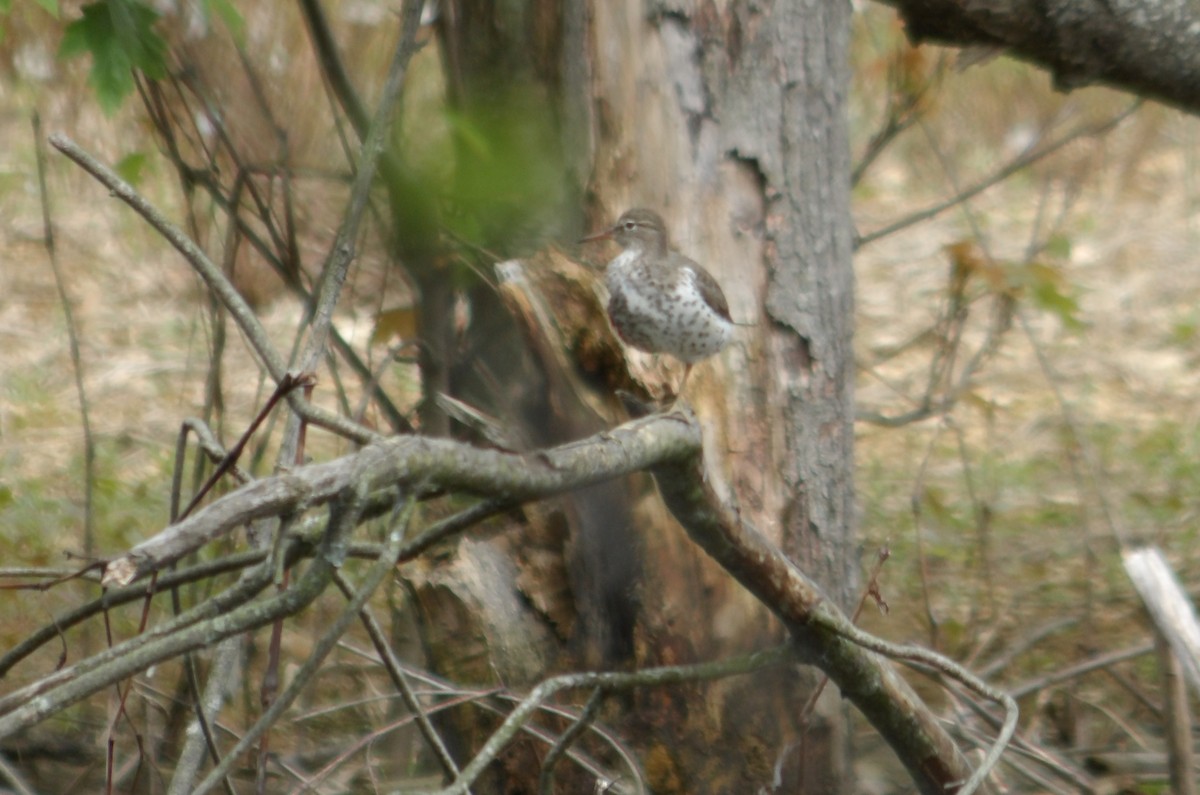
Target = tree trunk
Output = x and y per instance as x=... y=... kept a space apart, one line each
x=730 y=122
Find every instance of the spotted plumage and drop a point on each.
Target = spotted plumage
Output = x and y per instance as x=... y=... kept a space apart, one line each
x=659 y=300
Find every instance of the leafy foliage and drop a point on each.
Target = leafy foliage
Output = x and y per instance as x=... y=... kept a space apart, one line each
x=131 y=167
x=120 y=36
x=49 y=6
x=228 y=14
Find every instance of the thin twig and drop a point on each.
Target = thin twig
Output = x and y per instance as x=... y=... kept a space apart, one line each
x=650 y=677
x=89 y=442
x=395 y=670
x=1017 y=164
x=1152 y=707
x=346 y=519
x=904 y=101
x=222 y=673
x=119 y=596
x=281 y=251
x=289 y=382
x=342 y=254
x=297 y=545
x=1078 y=779
x=959 y=673
x=331 y=65
x=930 y=404
x=1079 y=669
x=871 y=588
x=308 y=781
x=192 y=754
x=915 y=503
x=556 y=752
x=483 y=698
x=217 y=282
x=1015 y=647
x=337 y=264
x=983 y=514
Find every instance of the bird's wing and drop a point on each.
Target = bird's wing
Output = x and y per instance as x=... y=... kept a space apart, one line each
x=710 y=290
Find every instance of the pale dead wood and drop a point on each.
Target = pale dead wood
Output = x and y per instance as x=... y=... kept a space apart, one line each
x=1168 y=605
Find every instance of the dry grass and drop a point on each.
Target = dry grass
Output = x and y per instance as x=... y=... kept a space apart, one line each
x=145 y=334
x=1020 y=495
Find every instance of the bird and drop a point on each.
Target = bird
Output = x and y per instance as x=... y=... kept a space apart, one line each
x=661 y=301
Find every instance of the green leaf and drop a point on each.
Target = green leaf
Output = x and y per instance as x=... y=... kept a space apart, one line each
x=120 y=36
x=147 y=51
x=933 y=502
x=471 y=134
x=1183 y=332
x=1059 y=247
x=1047 y=295
x=131 y=166
x=227 y=12
x=49 y=6
x=1048 y=290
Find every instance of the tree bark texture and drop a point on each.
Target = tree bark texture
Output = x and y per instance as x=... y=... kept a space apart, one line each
x=1151 y=49
x=728 y=118
x=731 y=120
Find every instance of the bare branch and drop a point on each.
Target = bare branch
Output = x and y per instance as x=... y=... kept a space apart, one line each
x=546 y=777
x=424 y=465
x=610 y=681
x=342 y=255
x=395 y=669
x=1147 y=48
x=1079 y=669
x=670 y=444
x=89 y=441
x=217 y=283
x=348 y=519
x=825 y=638
x=1017 y=164
x=190 y=631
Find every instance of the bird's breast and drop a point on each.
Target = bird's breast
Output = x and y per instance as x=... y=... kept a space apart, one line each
x=662 y=310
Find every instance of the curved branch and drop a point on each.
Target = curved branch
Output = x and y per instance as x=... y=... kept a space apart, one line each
x=420 y=464
x=310 y=669
x=823 y=636
x=1148 y=48
x=612 y=680
x=217 y=282
x=204 y=625
x=668 y=445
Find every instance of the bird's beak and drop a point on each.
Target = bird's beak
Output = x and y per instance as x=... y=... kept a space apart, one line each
x=604 y=235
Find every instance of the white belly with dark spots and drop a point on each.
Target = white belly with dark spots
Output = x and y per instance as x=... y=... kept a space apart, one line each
x=663 y=315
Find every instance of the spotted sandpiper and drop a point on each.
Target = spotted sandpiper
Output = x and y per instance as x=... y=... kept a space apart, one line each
x=659 y=300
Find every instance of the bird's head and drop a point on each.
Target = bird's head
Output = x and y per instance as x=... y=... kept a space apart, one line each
x=638 y=229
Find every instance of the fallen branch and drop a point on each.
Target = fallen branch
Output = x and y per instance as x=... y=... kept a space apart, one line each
x=409 y=467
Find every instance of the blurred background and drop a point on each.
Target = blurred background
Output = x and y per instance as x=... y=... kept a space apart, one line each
x=1027 y=361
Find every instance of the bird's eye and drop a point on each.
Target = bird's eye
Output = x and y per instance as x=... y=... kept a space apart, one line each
x=630 y=226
